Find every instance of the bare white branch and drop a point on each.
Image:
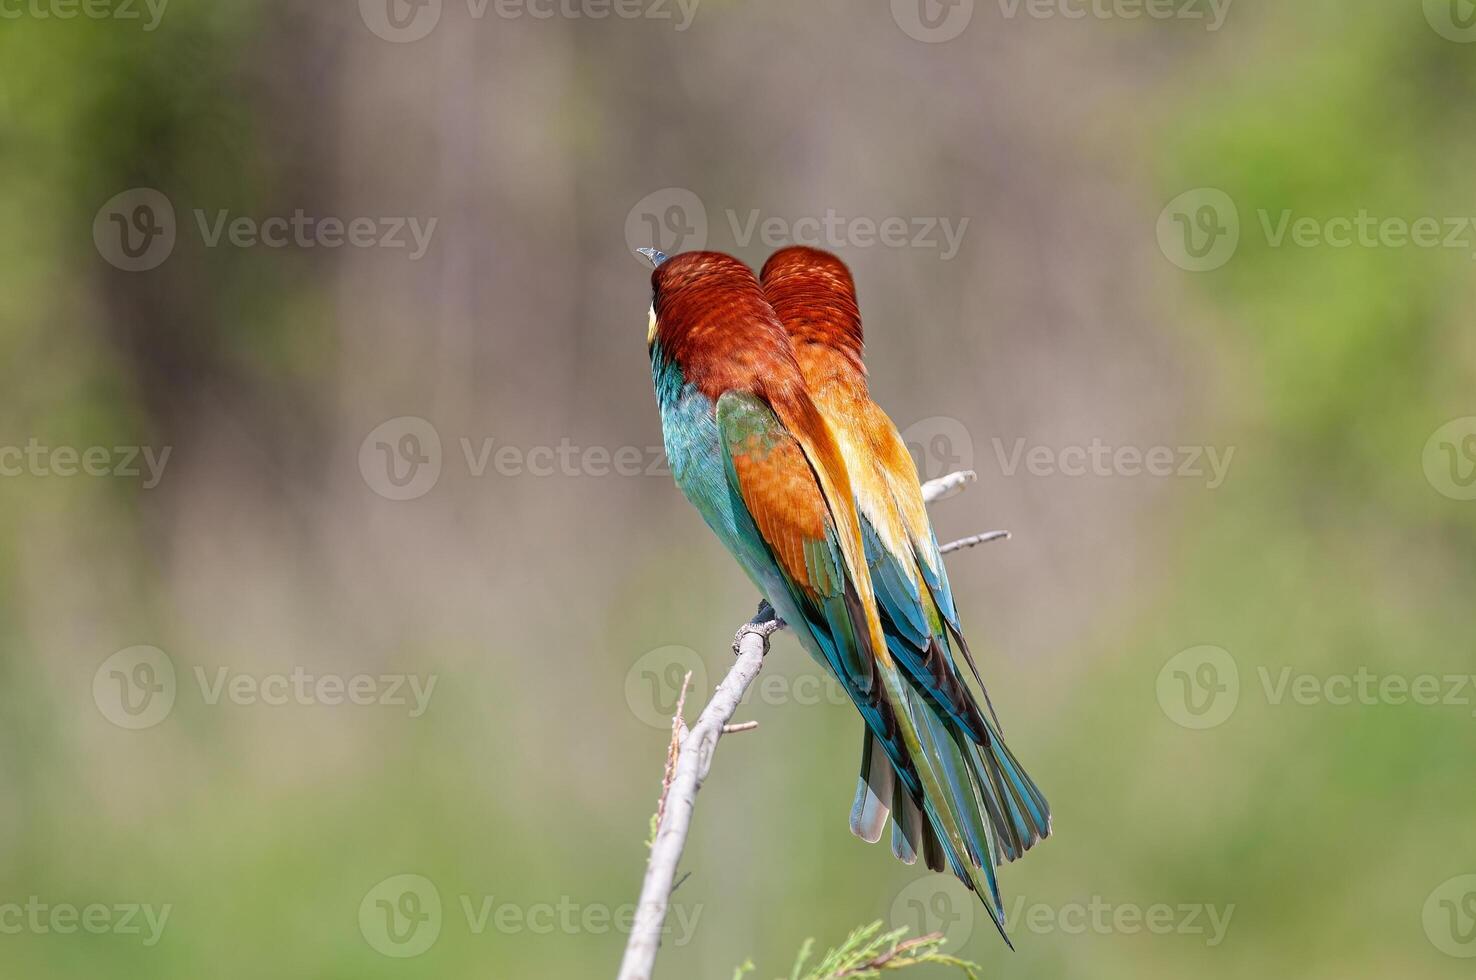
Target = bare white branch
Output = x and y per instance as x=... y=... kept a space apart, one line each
x=694 y=750
x=694 y=759
x=946 y=486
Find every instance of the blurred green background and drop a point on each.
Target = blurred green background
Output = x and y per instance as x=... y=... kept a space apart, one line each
x=555 y=612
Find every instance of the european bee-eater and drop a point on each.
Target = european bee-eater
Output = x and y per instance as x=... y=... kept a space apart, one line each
x=814 y=296
x=752 y=452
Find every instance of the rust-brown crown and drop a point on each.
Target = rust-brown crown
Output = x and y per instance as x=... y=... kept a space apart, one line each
x=815 y=297
x=712 y=319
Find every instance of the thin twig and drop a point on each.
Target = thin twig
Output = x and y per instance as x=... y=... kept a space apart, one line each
x=973 y=540
x=678 y=732
x=745 y=726
x=694 y=751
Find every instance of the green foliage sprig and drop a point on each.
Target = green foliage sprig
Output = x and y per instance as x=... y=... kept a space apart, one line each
x=868 y=952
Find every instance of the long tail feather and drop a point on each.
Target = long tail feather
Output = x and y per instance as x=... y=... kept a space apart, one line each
x=873 y=790
x=907 y=823
x=949 y=797
x=1016 y=807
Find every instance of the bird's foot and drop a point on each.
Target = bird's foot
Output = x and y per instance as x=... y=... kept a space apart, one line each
x=765 y=623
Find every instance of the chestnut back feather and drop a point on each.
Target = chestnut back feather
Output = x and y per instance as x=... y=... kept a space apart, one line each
x=712 y=320
x=815 y=297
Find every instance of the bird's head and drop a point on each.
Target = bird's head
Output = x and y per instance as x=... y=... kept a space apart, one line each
x=815 y=297
x=709 y=316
